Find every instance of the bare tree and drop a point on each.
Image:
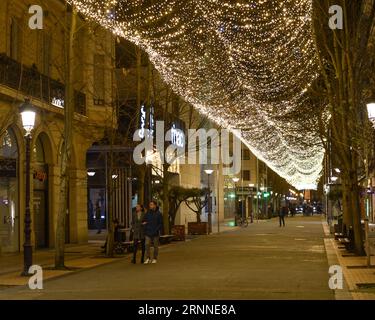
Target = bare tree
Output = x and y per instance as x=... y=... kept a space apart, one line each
x=345 y=60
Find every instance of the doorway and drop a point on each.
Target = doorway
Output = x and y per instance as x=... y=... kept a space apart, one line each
x=40 y=195
x=41 y=219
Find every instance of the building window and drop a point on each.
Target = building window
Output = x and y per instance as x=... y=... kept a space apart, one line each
x=99 y=88
x=246 y=175
x=15 y=41
x=44 y=53
x=38 y=151
x=245 y=154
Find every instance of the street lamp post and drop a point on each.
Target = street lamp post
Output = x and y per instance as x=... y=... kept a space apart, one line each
x=235 y=180
x=371 y=116
x=209 y=172
x=28 y=121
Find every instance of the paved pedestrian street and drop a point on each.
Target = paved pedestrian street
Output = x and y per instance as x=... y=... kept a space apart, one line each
x=262 y=261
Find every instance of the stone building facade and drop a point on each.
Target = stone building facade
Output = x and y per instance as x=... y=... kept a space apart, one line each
x=33 y=64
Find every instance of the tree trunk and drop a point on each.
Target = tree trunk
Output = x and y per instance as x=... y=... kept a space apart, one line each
x=67 y=146
x=110 y=190
x=346 y=207
x=198 y=217
x=166 y=178
x=110 y=236
x=141 y=184
x=356 y=219
x=141 y=168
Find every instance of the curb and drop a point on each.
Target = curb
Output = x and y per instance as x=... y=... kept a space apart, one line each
x=332 y=258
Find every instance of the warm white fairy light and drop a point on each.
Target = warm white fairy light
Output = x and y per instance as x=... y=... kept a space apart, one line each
x=244 y=64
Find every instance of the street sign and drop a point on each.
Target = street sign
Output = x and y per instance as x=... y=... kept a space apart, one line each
x=245 y=190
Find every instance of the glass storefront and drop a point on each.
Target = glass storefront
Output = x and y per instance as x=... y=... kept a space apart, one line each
x=100 y=175
x=40 y=196
x=229 y=199
x=9 y=212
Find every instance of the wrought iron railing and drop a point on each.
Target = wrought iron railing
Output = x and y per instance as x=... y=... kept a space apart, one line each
x=32 y=83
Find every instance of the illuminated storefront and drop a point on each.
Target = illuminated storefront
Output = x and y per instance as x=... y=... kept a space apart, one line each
x=9 y=215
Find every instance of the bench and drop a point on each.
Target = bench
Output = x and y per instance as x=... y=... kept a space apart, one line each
x=165 y=239
x=123 y=246
x=339 y=235
x=346 y=242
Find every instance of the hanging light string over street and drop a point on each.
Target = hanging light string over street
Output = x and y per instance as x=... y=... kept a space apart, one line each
x=245 y=65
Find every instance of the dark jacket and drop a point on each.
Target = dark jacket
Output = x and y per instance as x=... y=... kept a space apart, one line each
x=283 y=212
x=138 y=228
x=154 y=223
x=98 y=213
x=117 y=234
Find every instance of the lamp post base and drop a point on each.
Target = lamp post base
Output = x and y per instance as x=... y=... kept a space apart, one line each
x=28 y=256
x=209 y=223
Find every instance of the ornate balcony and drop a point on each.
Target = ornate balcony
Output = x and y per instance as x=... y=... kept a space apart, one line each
x=32 y=83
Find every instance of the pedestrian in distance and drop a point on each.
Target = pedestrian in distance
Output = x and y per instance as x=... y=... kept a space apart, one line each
x=98 y=218
x=293 y=210
x=152 y=229
x=311 y=210
x=138 y=223
x=282 y=214
x=116 y=235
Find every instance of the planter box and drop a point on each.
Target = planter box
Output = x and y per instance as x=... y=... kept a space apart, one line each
x=197 y=227
x=179 y=232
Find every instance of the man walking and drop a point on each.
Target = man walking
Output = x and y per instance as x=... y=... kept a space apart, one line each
x=153 y=226
x=282 y=214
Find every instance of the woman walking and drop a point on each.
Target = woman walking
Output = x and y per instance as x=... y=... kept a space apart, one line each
x=138 y=222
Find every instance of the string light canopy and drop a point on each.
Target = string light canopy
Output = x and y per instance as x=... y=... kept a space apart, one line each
x=245 y=64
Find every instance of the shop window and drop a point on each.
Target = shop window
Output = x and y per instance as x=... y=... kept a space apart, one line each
x=99 y=74
x=45 y=53
x=8 y=145
x=38 y=151
x=9 y=215
x=15 y=40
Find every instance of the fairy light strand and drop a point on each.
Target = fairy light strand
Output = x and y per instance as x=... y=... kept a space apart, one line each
x=245 y=65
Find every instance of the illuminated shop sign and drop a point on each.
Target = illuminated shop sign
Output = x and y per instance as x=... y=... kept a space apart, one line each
x=147 y=121
x=177 y=136
x=40 y=175
x=57 y=102
x=144 y=124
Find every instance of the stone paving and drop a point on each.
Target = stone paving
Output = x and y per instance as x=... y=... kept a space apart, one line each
x=356 y=272
x=262 y=261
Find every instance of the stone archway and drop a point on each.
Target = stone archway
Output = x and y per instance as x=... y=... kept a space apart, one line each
x=43 y=198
